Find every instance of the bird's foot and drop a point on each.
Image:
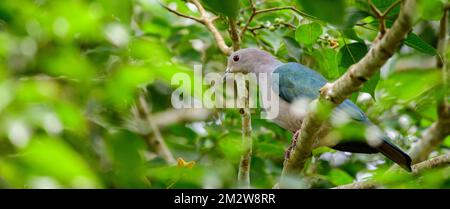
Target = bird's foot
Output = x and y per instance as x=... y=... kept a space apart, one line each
x=287 y=153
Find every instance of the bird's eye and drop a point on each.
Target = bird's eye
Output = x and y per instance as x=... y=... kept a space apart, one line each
x=236 y=58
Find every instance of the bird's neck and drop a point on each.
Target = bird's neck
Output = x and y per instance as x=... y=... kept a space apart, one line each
x=266 y=67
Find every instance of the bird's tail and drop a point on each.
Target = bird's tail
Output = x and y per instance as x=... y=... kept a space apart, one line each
x=395 y=154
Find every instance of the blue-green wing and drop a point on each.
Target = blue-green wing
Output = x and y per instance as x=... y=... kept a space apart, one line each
x=297 y=81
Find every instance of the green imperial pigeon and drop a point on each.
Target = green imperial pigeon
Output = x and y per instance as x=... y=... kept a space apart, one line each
x=297 y=82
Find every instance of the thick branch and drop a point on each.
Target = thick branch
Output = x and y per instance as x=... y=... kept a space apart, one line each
x=349 y=83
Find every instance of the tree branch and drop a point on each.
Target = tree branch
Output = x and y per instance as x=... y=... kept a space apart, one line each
x=350 y=82
x=276 y=25
x=434 y=135
x=440 y=161
x=170 y=117
x=234 y=34
x=208 y=22
x=249 y=19
x=390 y=8
x=262 y=11
x=181 y=14
x=244 y=164
x=382 y=16
x=156 y=141
x=375 y=10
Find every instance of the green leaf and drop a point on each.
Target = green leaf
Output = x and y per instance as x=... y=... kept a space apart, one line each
x=120 y=10
x=229 y=8
x=403 y=87
x=52 y=157
x=431 y=9
x=231 y=147
x=269 y=150
x=352 y=53
x=328 y=10
x=293 y=48
x=353 y=16
x=447 y=142
x=308 y=33
x=351 y=34
x=371 y=85
x=339 y=177
x=417 y=43
x=129 y=166
x=328 y=61
x=272 y=39
x=320 y=150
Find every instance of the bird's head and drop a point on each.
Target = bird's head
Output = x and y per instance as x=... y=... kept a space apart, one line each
x=250 y=60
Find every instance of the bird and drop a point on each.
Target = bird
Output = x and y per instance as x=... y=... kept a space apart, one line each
x=296 y=82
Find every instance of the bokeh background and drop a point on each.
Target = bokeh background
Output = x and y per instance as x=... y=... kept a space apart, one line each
x=85 y=93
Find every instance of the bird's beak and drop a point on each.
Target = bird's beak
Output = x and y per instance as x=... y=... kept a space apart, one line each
x=227 y=72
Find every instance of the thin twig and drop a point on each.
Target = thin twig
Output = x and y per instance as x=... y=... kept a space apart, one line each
x=390 y=8
x=262 y=11
x=181 y=14
x=249 y=19
x=276 y=25
x=382 y=16
x=375 y=10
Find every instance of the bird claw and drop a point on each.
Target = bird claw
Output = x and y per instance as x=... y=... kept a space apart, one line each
x=287 y=153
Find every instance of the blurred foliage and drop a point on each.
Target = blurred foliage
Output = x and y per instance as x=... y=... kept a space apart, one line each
x=71 y=71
